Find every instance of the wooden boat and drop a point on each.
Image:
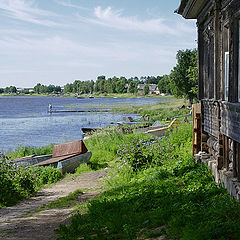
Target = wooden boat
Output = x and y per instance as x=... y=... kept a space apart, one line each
x=66 y=157
x=89 y=129
x=159 y=132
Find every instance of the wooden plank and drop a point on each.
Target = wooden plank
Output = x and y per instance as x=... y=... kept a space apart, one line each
x=238 y=161
x=196 y=113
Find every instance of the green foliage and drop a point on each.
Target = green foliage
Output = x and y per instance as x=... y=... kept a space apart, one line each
x=40 y=88
x=146 y=89
x=69 y=201
x=139 y=154
x=183 y=77
x=164 y=84
x=11 y=89
x=104 y=145
x=46 y=175
x=83 y=168
x=132 y=87
x=17 y=183
x=176 y=195
x=27 y=151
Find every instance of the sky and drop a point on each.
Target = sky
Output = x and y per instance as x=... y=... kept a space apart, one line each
x=59 y=41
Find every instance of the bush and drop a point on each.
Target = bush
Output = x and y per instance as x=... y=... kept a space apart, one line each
x=139 y=154
x=15 y=183
x=47 y=175
x=18 y=183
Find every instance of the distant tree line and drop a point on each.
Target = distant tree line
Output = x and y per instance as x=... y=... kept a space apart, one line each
x=181 y=82
x=109 y=85
x=11 y=89
x=39 y=88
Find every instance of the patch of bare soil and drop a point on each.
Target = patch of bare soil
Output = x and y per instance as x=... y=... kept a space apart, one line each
x=23 y=222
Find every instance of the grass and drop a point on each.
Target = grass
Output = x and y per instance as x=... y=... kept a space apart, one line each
x=69 y=201
x=173 y=197
x=27 y=151
x=162 y=111
x=105 y=143
x=18 y=183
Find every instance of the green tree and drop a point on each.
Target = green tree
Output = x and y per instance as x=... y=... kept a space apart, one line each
x=121 y=85
x=68 y=88
x=37 y=88
x=146 y=89
x=164 y=85
x=132 y=87
x=183 y=77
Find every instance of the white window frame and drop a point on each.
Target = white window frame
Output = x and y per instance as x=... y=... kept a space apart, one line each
x=226 y=80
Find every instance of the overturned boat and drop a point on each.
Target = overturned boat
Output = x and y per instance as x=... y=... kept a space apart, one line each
x=66 y=157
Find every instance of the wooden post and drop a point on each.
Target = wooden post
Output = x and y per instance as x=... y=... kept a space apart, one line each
x=217 y=50
x=238 y=161
x=235 y=156
x=226 y=152
x=220 y=152
x=196 y=113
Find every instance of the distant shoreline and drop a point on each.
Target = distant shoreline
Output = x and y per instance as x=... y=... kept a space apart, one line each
x=126 y=95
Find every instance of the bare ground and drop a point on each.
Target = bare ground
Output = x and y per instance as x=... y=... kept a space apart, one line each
x=23 y=222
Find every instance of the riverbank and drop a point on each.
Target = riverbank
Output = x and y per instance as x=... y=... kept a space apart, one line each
x=153 y=190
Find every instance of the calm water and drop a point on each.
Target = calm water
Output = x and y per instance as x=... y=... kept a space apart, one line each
x=24 y=121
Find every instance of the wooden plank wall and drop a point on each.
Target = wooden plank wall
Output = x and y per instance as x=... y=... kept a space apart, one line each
x=211 y=117
x=230 y=119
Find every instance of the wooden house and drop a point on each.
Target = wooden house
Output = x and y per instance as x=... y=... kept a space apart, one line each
x=218 y=23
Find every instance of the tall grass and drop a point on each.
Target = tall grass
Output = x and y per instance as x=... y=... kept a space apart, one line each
x=18 y=183
x=104 y=145
x=173 y=197
x=161 y=111
x=27 y=151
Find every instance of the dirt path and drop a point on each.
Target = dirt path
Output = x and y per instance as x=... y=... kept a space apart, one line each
x=19 y=222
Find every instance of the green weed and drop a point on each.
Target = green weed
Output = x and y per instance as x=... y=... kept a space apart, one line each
x=27 y=151
x=18 y=183
x=172 y=191
x=64 y=202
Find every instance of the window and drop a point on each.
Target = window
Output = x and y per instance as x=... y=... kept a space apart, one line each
x=226 y=83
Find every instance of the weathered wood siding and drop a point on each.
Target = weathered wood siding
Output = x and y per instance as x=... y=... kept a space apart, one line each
x=230 y=120
x=211 y=117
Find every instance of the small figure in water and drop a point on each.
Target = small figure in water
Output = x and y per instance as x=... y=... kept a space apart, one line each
x=50 y=108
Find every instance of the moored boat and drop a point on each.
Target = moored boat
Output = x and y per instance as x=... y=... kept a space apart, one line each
x=66 y=157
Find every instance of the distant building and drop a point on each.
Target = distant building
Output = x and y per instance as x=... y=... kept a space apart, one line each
x=153 y=89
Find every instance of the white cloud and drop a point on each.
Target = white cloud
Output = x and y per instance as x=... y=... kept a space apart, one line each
x=26 y=11
x=69 y=4
x=114 y=19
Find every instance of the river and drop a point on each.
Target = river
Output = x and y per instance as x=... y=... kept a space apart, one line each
x=25 y=121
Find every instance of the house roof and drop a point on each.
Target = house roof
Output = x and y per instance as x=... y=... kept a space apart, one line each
x=153 y=87
x=190 y=9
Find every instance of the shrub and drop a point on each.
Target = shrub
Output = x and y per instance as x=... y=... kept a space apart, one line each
x=139 y=154
x=18 y=183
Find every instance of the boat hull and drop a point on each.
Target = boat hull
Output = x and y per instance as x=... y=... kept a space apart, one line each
x=69 y=165
x=31 y=160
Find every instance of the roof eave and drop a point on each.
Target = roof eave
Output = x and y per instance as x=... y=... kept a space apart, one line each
x=190 y=9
